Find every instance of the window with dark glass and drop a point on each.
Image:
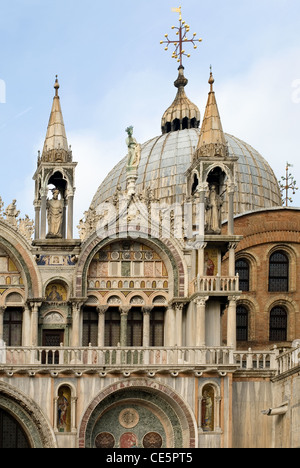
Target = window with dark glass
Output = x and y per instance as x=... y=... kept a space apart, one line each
x=12 y=327
x=243 y=270
x=157 y=327
x=90 y=327
x=112 y=327
x=278 y=324
x=279 y=272
x=241 y=323
x=135 y=327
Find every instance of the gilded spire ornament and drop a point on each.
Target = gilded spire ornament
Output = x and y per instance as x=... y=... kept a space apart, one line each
x=287 y=184
x=182 y=39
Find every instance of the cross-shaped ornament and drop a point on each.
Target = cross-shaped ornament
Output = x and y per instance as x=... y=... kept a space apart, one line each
x=182 y=40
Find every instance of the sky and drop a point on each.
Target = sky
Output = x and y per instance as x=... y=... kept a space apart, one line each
x=113 y=72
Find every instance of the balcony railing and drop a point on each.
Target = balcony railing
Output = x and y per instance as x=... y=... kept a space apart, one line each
x=134 y=359
x=215 y=284
x=288 y=361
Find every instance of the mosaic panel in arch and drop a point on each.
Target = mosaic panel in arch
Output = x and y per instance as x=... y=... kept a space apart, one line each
x=127 y=265
x=134 y=426
x=9 y=273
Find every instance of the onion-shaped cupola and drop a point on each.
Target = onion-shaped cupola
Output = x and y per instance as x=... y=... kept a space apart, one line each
x=182 y=114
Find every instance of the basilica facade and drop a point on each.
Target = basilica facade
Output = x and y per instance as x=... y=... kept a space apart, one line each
x=171 y=320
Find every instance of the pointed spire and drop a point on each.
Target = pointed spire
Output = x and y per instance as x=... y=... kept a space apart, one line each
x=182 y=113
x=212 y=140
x=56 y=146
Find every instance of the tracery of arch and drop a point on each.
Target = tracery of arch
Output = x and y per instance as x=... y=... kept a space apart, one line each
x=127 y=266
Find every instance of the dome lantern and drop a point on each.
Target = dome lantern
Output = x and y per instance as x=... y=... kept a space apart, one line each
x=182 y=114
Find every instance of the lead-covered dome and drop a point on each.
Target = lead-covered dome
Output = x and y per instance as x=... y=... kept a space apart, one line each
x=165 y=159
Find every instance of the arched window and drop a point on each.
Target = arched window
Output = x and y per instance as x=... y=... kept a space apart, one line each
x=11 y=433
x=90 y=327
x=12 y=326
x=279 y=272
x=243 y=270
x=241 y=323
x=278 y=324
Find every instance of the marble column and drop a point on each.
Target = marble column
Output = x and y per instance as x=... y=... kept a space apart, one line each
x=201 y=191
x=170 y=331
x=101 y=325
x=232 y=247
x=231 y=190
x=37 y=208
x=70 y=215
x=2 y=310
x=76 y=316
x=26 y=326
x=200 y=267
x=200 y=320
x=123 y=333
x=146 y=326
x=43 y=214
x=34 y=322
x=231 y=322
x=178 y=323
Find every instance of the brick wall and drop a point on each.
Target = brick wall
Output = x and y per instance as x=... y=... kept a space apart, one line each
x=263 y=233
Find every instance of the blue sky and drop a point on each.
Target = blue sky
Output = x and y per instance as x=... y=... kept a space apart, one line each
x=113 y=72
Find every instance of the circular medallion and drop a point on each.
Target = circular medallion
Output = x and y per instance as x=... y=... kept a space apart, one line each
x=105 y=440
x=129 y=418
x=128 y=440
x=152 y=440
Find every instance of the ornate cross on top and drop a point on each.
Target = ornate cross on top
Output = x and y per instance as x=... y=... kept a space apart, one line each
x=179 y=43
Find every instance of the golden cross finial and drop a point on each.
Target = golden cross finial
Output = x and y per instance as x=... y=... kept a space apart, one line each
x=182 y=39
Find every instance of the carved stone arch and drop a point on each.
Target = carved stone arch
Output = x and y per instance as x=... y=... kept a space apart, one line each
x=114 y=300
x=165 y=396
x=13 y=244
x=166 y=248
x=223 y=167
x=61 y=281
x=64 y=174
x=30 y=416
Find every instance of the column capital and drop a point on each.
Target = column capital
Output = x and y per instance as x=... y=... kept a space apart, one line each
x=201 y=301
x=232 y=245
x=124 y=310
x=34 y=306
x=2 y=309
x=233 y=299
x=102 y=309
x=147 y=310
x=76 y=305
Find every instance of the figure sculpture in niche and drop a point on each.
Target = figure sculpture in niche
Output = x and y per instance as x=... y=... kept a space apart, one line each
x=55 y=216
x=207 y=409
x=214 y=204
x=134 y=149
x=62 y=411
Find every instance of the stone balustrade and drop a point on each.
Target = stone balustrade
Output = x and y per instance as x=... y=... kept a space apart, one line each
x=135 y=359
x=288 y=361
x=215 y=284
